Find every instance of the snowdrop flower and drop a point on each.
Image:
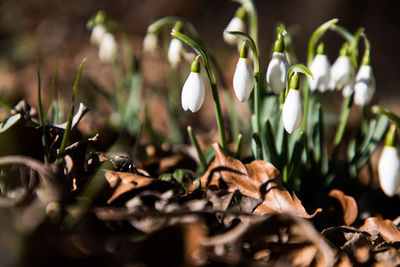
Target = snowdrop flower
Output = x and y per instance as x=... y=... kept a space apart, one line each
x=98 y=33
x=364 y=83
x=192 y=97
x=277 y=68
x=175 y=52
x=292 y=114
x=389 y=164
x=108 y=48
x=150 y=42
x=321 y=68
x=236 y=24
x=243 y=81
x=342 y=70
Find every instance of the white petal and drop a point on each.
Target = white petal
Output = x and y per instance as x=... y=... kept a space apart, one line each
x=108 y=48
x=389 y=170
x=341 y=73
x=243 y=81
x=364 y=86
x=150 y=43
x=192 y=97
x=292 y=113
x=363 y=93
x=97 y=35
x=276 y=72
x=174 y=52
x=236 y=24
x=321 y=69
x=347 y=90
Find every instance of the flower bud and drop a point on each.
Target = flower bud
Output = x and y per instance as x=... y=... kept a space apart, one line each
x=108 y=48
x=192 y=97
x=389 y=164
x=97 y=35
x=292 y=113
x=243 y=81
x=321 y=69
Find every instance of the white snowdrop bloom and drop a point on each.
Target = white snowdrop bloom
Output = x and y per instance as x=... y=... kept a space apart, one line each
x=389 y=165
x=342 y=70
x=243 y=81
x=97 y=35
x=321 y=69
x=192 y=97
x=341 y=73
x=237 y=25
x=292 y=113
x=175 y=52
x=364 y=85
x=276 y=72
x=108 y=48
x=277 y=68
x=150 y=42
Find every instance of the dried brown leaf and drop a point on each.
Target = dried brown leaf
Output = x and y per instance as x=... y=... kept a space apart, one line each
x=386 y=228
x=349 y=206
x=259 y=179
x=125 y=182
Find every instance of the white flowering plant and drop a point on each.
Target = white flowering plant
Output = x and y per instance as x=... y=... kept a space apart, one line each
x=288 y=124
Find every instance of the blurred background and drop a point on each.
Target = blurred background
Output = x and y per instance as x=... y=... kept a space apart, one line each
x=47 y=31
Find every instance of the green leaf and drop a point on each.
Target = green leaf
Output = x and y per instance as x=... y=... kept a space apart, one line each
x=270 y=142
x=9 y=122
x=71 y=111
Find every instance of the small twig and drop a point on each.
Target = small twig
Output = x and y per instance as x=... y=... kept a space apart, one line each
x=116 y=214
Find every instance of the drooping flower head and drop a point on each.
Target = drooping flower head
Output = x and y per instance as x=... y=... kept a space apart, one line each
x=150 y=43
x=243 y=81
x=236 y=24
x=342 y=70
x=321 y=68
x=175 y=49
x=108 y=48
x=192 y=97
x=389 y=164
x=277 y=67
x=292 y=113
x=364 y=83
x=98 y=32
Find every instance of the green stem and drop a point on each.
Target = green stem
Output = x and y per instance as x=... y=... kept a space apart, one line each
x=218 y=113
x=211 y=76
x=390 y=115
x=193 y=139
x=344 y=116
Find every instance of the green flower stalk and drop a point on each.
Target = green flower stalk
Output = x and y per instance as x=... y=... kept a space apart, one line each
x=211 y=76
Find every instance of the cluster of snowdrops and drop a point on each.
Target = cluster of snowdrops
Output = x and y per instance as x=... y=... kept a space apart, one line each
x=355 y=81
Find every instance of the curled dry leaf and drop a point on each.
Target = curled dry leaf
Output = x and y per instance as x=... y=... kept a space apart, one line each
x=125 y=182
x=349 y=206
x=386 y=228
x=258 y=179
